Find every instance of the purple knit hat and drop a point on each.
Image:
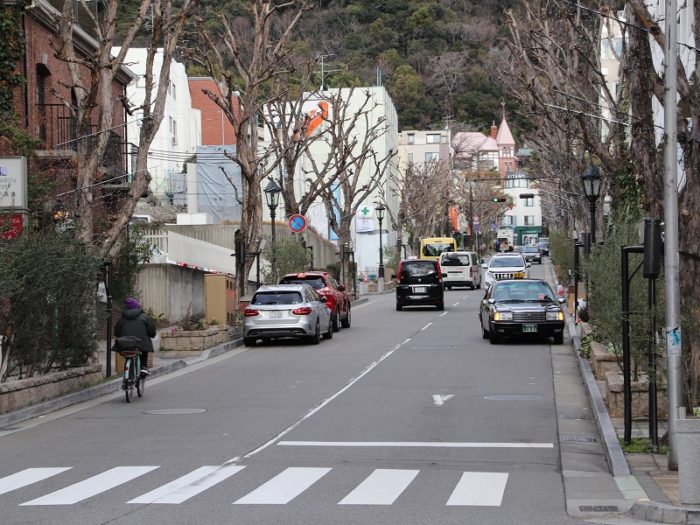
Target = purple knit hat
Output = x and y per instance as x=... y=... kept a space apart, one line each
x=132 y=304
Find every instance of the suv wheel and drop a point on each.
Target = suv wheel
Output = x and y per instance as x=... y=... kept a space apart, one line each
x=345 y=323
x=441 y=305
x=249 y=341
x=334 y=321
x=398 y=307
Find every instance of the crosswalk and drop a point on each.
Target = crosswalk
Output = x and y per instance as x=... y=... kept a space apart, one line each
x=380 y=487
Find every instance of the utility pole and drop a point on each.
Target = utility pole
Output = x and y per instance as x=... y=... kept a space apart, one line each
x=325 y=71
x=671 y=257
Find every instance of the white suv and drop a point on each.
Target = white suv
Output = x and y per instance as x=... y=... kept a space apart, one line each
x=508 y=265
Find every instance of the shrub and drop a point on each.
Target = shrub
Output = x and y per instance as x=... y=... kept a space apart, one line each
x=48 y=285
x=290 y=256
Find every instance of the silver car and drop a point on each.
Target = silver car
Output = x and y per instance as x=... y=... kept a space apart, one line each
x=286 y=310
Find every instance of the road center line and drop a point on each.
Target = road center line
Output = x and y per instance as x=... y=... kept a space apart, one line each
x=411 y=444
x=426 y=326
x=314 y=410
x=443 y=314
x=456 y=304
x=406 y=341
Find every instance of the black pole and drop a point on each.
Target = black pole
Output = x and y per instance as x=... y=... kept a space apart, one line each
x=257 y=270
x=471 y=218
x=591 y=207
x=108 y=292
x=380 y=270
x=274 y=246
x=626 y=351
x=653 y=420
x=577 y=245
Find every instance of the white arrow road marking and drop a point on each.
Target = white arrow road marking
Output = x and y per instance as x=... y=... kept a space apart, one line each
x=439 y=400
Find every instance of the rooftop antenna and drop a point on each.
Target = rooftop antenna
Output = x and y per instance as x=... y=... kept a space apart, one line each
x=325 y=71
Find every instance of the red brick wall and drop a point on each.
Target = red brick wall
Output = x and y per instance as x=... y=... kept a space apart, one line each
x=216 y=129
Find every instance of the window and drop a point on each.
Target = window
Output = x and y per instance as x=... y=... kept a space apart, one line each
x=172 y=91
x=410 y=157
x=431 y=155
x=433 y=138
x=173 y=130
x=529 y=202
x=529 y=220
x=411 y=138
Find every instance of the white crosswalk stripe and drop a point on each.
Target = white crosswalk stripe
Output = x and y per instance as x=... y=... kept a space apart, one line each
x=91 y=486
x=189 y=485
x=483 y=489
x=27 y=477
x=380 y=487
x=284 y=487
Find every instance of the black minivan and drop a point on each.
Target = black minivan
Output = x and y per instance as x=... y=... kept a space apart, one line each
x=419 y=282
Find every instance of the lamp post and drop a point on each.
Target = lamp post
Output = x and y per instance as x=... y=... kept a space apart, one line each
x=380 y=209
x=591 y=188
x=272 y=195
x=607 y=207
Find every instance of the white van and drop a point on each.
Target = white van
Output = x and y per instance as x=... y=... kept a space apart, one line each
x=462 y=269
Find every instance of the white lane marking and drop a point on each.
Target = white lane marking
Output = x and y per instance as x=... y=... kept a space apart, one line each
x=483 y=489
x=439 y=399
x=315 y=409
x=426 y=326
x=189 y=485
x=91 y=486
x=456 y=304
x=27 y=477
x=284 y=487
x=381 y=487
x=411 y=444
x=443 y=314
x=406 y=341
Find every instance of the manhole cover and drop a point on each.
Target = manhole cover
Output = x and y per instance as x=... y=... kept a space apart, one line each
x=175 y=411
x=512 y=397
x=578 y=439
x=599 y=508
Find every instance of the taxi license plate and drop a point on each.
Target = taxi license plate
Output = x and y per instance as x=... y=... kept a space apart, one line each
x=275 y=315
x=420 y=289
x=529 y=328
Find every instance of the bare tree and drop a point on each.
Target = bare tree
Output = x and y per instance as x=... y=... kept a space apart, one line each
x=244 y=55
x=91 y=82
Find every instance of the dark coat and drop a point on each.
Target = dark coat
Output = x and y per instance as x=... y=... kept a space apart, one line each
x=136 y=323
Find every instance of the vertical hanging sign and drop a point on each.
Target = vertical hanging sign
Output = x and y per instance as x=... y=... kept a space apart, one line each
x=13 y=184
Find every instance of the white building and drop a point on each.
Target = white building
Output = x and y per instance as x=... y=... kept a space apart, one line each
x=525 y=216
x=180 y=131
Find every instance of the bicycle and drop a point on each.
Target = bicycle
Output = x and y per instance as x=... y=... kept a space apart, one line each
x=131 y=352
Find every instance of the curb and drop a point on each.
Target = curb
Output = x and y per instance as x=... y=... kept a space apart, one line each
x=663 y=513
x=613 y=451
x=113 y=385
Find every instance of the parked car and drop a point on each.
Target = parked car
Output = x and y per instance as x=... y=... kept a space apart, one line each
x=505 y=266
x=462 y=269
x=325 y=284
x=419 y=282
x=522 y=307
x=543 y=245
x=286 y=310
x=532 y=254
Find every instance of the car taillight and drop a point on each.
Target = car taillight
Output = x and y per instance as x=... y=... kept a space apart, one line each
x=324 y=290
x=439 y=271
x=472 y=271
x=304 y=310
x=250 y=312
x=398 y=273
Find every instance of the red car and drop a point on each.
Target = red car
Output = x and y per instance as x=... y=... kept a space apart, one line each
x=336 y=294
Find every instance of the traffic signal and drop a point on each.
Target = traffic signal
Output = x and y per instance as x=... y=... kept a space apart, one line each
x=499 y=199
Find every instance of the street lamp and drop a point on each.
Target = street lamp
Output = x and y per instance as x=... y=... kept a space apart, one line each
x=380 y=209
x=591 y=188
x=272 y=196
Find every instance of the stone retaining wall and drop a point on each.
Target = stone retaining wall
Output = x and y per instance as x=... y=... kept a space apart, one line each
x=193 y=340
x=602 y=361
x=615 y=397
x=24 y=392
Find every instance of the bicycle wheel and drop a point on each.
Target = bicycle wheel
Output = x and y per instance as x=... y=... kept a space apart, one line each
x=140 y=382
x=128 y=379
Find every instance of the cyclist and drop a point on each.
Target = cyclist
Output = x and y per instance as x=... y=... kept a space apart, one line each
x=135 y=322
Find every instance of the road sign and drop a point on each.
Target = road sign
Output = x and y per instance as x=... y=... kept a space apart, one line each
x=297 y=223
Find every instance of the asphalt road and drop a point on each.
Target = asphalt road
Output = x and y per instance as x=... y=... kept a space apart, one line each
x=405 y=418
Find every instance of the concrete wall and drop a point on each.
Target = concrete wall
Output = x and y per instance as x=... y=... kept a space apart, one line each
x=175 y=292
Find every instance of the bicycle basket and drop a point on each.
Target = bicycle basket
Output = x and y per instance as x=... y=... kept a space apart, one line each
x=128 y=345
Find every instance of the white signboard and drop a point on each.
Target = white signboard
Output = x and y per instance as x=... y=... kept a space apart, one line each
x=13 y=183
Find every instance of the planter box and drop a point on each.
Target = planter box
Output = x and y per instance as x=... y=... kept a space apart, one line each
x=603 y=362
x=193 y=340
x=615 y=397
x=24 y=392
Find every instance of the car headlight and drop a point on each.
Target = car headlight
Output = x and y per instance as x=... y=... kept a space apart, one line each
x=555 y=316
x=519 y=275
x=503 y=316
